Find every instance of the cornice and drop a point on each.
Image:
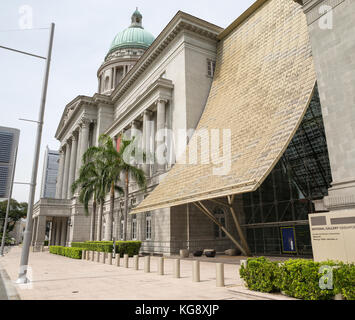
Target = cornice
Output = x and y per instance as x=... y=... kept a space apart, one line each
x=70 y=111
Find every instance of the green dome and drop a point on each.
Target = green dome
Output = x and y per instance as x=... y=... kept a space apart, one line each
x=134 y=36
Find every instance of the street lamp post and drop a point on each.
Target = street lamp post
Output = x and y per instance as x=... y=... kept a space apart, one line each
x=22 y=277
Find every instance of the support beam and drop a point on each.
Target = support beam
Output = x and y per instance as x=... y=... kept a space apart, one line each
x=204 y=210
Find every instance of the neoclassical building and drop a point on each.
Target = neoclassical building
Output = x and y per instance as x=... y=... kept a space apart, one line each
x=279 y=78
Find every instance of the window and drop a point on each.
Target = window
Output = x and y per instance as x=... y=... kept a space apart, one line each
x=148 y=226
x=121 y=228
x=107 y=83
x=134 y=227
x=220 y=216
x=211 y=67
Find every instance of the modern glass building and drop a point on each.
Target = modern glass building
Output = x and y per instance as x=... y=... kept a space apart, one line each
x=50 y=172
x=277 y=213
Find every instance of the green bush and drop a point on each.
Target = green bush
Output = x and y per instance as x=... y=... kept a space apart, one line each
x=45 y=243
x=344 y=280
x=122 y=247
x=260 y=274
x=299 y=278
x=74 y=253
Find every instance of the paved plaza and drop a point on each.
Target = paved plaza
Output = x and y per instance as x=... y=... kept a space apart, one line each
x=60 y=278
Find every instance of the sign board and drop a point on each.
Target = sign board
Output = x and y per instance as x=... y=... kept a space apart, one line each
x=288 y=240
x=333 y=235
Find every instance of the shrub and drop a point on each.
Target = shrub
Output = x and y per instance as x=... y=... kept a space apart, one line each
x=74 y=253
x=299 y=278
x=122 y=247
x=344 y=280
x=260 y=274
x=45 y=243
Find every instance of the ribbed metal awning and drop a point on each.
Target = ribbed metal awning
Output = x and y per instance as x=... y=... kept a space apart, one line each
x=262 y=87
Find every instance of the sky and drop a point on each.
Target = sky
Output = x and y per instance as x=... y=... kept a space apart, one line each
x=83 y=33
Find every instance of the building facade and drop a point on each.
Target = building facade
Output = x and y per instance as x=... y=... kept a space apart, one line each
x=9 y=139
x=49 y=174
x=152 y=85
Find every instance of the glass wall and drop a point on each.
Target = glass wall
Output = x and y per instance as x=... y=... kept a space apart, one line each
x=286 y=197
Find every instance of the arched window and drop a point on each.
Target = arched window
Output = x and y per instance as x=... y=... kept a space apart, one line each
x=220 y=215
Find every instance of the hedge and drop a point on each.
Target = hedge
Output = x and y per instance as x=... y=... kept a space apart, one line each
x=74 y=253
x=122 y=247
x=299 y=278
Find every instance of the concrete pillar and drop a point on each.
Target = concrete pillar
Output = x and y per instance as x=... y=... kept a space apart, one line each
x=136 y=262
x=125 y=260
x=66 y=171
x=196 y=271
x=104 y=257
x=73 y=154
x=58 y=231
x=146 y=141
x=92 y=256
x=332 y=40
x=59 y=186
x=161 y=146
x=98 y=256
x=219 y=274
x=176 y=268
x=63 y=237
x=117 y=259
x=161 y=266
x=41 y=222
x=53 y=231
x=147 y=264
x=84 y=138
x=83 y=255
x=110 y=258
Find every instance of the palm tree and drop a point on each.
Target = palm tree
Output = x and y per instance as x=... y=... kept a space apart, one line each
x=129 y=170
x=91 y=187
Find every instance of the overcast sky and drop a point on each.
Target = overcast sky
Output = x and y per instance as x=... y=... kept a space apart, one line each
x=83 y=34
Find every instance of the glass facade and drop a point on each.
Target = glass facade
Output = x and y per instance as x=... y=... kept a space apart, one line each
x=286 y=197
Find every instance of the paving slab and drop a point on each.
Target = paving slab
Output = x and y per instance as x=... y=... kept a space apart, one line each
x=55 y=277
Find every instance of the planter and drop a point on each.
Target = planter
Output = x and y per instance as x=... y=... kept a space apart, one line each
x=198 y=253
x=210 y=253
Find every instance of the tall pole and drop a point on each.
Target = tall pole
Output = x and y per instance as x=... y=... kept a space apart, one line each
x=8 y=207
x=22 y=278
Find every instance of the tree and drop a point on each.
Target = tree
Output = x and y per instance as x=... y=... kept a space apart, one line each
x=17 y=211
x=90 y=183
x=129 y=170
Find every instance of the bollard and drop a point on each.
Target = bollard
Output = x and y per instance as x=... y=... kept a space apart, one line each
x=196 y=271
x=88 y=254
x=136 y=262
x=161 y=266
x=117 y=259
x=125 y=260
x=98 y=256
x=110 y=258
x=104 y=257
x=42 y=248
x=243 y=263
x=219 y=274
x=176 y=268
x=147 y=264
x=83 y=255
x=92 y=255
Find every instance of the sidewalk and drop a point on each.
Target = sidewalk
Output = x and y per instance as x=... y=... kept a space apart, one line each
x=59 y=278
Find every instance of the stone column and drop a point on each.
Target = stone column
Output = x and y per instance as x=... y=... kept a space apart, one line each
x=134 y=128
x=332 y=40
x=160 y=134
x=58 y=231
x=78 y=155
x=146 y=141
x=66 y=171
x=40 y=230
x=63 y=236
x=53 y=231
x=59 y=186
x=74 y=147
x=84 y=140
